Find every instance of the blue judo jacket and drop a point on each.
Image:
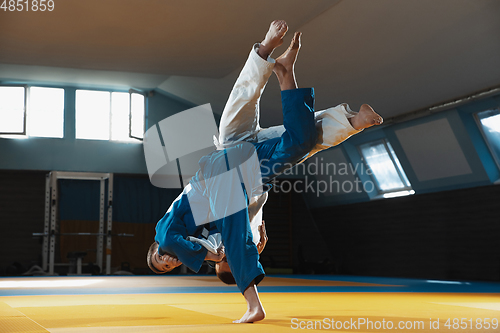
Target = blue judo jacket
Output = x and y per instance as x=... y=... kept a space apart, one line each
x=275 y=156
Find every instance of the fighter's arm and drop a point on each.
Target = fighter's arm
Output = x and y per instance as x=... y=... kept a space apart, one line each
x=170 y=261
x=263 y=237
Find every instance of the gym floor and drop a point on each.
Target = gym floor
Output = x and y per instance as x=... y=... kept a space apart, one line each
x=201 y=303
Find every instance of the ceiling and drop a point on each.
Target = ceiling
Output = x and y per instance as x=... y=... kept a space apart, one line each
x=398 y=56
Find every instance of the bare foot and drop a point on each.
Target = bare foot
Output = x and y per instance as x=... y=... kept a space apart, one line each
x=286 y=61
x=255 y=310
x=284 y=66
x=365 y=118
x=273 y=39
x=251 y=316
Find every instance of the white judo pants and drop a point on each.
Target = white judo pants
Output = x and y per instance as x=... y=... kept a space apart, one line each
x=240 y=122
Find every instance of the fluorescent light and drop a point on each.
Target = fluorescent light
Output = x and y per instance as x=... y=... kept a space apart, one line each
x=398 y=194
x=446 y=282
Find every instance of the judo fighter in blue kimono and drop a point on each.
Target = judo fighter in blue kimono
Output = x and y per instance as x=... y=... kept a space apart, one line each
x=234 y=177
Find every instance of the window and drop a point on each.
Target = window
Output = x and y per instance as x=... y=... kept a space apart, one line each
x=32 y=111
x=385 y=168
x=46 y=112
x=490 y=126
x=100 y=115
x=92 y=114
x=104 y=115
x=12 y=110
x=120 y=104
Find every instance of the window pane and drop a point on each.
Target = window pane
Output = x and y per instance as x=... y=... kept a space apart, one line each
x=491 y=128
x=398 y=165
x=46 y=112
x=92 y=114
x=120 y=116
x=11 y=109
x=137 y=119
x=384 y=171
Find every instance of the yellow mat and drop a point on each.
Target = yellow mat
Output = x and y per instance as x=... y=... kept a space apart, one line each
x=286 y=312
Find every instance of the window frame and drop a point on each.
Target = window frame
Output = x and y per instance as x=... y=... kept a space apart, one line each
x=135 y=91
x=129 y=92
x=26 y=105
x=24 y=133
x=380 y=192
x=486 y=140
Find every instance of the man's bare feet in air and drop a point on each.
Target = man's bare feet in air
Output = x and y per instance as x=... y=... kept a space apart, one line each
x=273 y=39
x=284 y=67
x=365 y=118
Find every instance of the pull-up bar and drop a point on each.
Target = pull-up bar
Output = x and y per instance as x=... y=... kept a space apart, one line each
x=51 y=216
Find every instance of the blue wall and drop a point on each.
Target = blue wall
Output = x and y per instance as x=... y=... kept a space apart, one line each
x=70 y=154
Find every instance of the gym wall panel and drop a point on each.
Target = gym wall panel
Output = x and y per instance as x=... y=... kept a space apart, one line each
x=137 y=206
x=295 y=242
x=334 y=171
x=127 y=252
x=433 y=150
x=73 y=243
x=132 y=251
x=22 y=206
x=437 y=153
x=450 y=235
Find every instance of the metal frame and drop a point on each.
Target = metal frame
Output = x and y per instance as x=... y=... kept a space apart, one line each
x=130 y=92
x=51 y=216
x=485 y=138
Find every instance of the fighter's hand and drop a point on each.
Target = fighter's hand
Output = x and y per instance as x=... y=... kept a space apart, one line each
x=263 y=237
x=216 y=257
x=164 y=263
x=170 y=261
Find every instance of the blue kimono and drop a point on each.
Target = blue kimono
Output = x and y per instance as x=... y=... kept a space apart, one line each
x=275 y=156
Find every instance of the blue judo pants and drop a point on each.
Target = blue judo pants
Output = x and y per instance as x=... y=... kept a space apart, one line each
x=275 y=156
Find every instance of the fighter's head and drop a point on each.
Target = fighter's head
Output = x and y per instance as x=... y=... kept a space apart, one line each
x=160 y=264
x=224 y=272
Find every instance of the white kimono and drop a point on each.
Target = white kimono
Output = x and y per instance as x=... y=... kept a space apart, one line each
x=240 y=122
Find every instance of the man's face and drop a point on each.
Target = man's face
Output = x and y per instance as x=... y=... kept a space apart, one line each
x=163 y=263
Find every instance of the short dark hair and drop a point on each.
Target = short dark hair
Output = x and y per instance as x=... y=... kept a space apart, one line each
x=224 y=272
x=152 y=249
x=226 y=277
